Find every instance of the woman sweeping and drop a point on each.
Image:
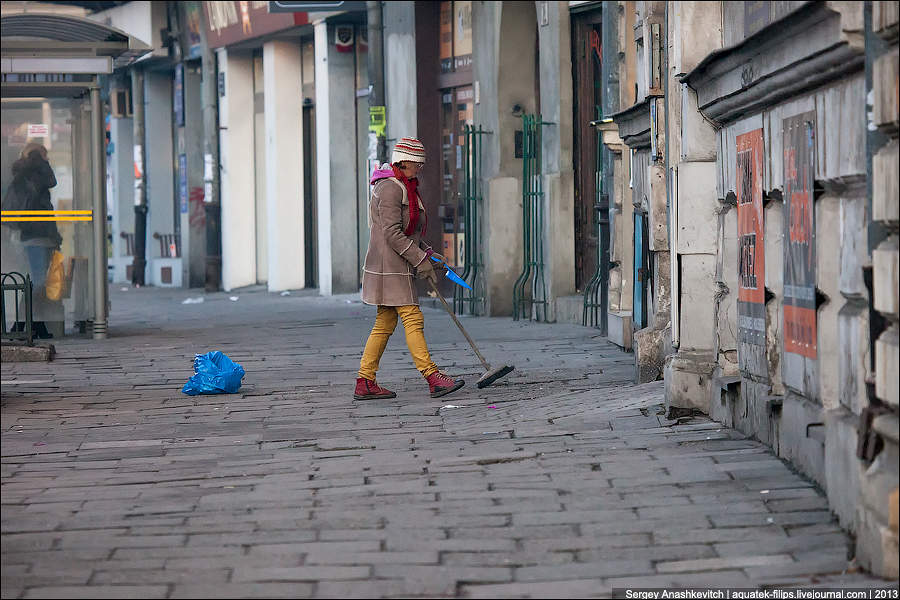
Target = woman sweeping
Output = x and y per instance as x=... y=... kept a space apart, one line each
x=395 y=256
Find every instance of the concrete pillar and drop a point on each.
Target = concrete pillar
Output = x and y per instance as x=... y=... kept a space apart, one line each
x=554 y=32
x=160 y=172
x=694 y=211
x=192 y=211
x=284 y=164
x=399 y=19
x=336 y=171
x=505 y=75
x=121 y=166
x=237 y=158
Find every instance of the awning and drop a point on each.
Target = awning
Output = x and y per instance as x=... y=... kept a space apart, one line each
x=59 y=55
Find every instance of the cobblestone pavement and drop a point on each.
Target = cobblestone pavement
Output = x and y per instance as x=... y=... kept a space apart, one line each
x=561 y=480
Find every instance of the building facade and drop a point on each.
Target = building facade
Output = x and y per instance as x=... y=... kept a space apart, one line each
x=711 y=184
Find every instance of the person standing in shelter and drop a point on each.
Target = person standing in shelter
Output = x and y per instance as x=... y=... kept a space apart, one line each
x=30 y=190
x=397 y=255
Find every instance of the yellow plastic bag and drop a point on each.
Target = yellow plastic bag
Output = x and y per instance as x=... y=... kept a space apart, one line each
x=56 y=277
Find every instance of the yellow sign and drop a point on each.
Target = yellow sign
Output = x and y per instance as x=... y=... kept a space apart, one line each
x=46 y=215
x=377 y=120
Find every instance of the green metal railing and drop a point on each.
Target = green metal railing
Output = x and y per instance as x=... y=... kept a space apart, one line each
x=530 y=288
x=473 y=199
x=596 y=292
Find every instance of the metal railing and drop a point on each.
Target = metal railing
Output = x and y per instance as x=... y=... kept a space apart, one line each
x=129 y=243
x=473 y=198
x=168 y=245
x=596 y=292
x=530 y=288
x=21 y=284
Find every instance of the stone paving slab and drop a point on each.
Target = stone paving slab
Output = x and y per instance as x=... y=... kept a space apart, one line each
x=562 y=479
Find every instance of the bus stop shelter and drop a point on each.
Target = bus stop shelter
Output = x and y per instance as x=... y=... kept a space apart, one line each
x=52 y=67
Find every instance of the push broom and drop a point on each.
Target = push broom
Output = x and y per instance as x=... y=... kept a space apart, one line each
x=490 y=375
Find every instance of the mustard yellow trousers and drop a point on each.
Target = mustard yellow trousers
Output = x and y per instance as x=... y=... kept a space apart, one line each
x=385 y=323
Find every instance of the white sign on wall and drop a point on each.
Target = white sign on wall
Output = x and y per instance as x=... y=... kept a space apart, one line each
x=36 y=130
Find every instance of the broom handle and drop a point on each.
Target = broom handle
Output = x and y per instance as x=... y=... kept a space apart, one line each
x=487 y=367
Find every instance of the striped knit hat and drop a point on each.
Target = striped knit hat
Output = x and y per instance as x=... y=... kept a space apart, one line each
x=409 y=149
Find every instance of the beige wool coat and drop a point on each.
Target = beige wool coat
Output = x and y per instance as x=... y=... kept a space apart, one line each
x=392 y=257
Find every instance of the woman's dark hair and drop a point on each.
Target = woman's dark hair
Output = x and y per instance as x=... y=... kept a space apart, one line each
x=33 y=157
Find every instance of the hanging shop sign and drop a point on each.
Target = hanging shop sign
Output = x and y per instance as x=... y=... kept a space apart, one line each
x=178 y=95
x=316 y=6
x=462 y=35
x=446 y=37
x=751 y=261
x=183 y=183
x=799 y=236
x=377 y=120
x=232 y=22
x=193 y=40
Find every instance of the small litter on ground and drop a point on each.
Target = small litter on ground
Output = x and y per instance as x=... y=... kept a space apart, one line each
x=233 y=298
x=192 y=301
x=285 y=293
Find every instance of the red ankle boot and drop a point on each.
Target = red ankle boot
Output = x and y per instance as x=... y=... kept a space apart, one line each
x=367 y=389
x=441 y=385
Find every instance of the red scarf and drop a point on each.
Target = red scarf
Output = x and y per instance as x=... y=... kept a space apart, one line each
x=413 y=196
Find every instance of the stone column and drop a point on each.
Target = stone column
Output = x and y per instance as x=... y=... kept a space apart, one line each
x=160 y=174
x=694 y=210
x=399 y=20
x=122 y=200
x=237 y=159
x=189 y=141
x=505 y=74
x=554 y=31
x=284 y=164
x=336 y=160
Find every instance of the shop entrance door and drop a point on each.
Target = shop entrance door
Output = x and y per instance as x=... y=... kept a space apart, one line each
x=457 y=109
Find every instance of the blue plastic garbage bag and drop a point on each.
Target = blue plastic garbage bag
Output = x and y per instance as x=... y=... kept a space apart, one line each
x=214 y=373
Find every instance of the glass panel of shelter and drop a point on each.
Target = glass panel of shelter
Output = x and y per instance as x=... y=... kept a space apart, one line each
x=61 y=128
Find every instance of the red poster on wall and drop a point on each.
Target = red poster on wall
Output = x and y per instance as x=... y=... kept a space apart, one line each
x=751 y=261
x=800 y=236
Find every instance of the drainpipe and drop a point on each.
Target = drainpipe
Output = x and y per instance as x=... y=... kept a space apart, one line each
x=98 y=164
x=209 y=93
x=139 y=264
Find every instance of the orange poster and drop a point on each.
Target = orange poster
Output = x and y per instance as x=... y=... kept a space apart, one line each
x=751 y=258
